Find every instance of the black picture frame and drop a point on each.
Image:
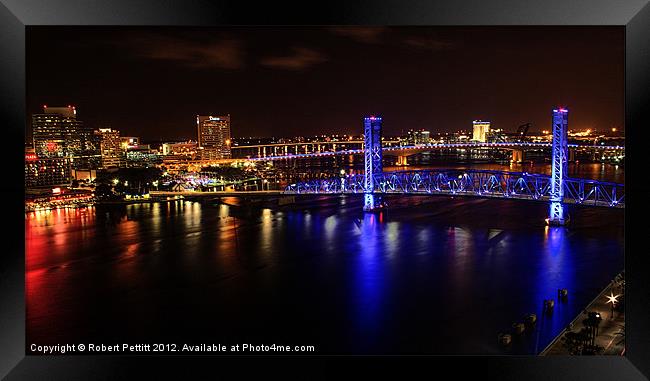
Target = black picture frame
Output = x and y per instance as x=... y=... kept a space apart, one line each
x=16 y=15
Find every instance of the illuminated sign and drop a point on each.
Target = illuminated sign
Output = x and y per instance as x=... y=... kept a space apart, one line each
x=51 y=146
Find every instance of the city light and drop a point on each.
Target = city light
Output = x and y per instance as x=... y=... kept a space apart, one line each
x=611 y=298
x=190 y=222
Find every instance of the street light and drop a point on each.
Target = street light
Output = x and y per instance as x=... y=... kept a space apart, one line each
x=611 y=298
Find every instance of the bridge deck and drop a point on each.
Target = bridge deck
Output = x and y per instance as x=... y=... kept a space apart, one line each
x=475 y=183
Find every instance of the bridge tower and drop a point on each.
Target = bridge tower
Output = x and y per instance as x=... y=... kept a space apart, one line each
x=372 y=159
x=559 y=160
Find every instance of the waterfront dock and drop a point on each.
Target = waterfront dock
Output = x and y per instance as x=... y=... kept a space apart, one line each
x=608 y=334
x=163 y=194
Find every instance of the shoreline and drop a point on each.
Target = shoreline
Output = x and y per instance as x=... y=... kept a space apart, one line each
x=555 y=347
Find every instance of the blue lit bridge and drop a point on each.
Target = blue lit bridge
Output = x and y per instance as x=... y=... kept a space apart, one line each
x=556 y=189
x=478 y=183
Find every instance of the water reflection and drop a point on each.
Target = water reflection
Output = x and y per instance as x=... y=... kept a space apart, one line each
x=267 y=231
x=352 y=282
x=369 y=279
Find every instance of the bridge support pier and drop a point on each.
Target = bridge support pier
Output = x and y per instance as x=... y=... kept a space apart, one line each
x=559 y=160
x=517 y=156
x=372 y=162
x=401 y=161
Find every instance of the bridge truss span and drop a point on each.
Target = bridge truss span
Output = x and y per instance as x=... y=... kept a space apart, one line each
x=477 y=183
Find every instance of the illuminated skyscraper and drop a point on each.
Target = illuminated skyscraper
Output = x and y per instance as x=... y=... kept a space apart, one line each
x=481 y=129
x=53 y=129
x=46 y=171
x=214 y=136
x=111 y=148
x=58 y=133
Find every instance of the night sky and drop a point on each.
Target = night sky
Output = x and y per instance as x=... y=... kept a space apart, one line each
x=289 y=81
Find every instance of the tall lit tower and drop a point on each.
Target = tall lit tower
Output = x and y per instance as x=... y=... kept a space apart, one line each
x=111 y=148
x=57 y=132
x=54 y=131
x=480 y=129
x=559 y=153
x=372 y=159
x=214 y=136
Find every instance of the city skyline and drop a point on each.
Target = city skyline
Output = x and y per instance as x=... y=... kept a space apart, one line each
x=449 y=161
x=325 y=79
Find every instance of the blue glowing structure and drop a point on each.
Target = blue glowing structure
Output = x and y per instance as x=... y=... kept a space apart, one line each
x=559 y=166
x=556 y=189
x=475 y=183
x=372 y=160
x=435 y=146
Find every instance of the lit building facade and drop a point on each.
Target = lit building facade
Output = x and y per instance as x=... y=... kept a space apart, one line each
x=58 y=133
x=214 y=137
x=45 y=171
x=111 y=148
x=183 y=148
x=418 y=137
x=129 y=141
x=141 y=156
x=481 y=129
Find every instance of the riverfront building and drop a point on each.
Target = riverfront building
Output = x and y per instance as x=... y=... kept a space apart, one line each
x=213 y=137
x=481 y=130
x=58 y=133
x=45 y=171
x=111 y=148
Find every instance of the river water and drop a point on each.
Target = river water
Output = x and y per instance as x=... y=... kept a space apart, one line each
x=431 y=275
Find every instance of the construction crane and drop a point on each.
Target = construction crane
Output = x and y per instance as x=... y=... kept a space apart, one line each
x=523 y=130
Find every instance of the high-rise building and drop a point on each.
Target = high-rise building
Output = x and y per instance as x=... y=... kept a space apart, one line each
x=45 y=171
x=214 y=136
x=58 y=133
x=111 y=148
x=481 y=129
